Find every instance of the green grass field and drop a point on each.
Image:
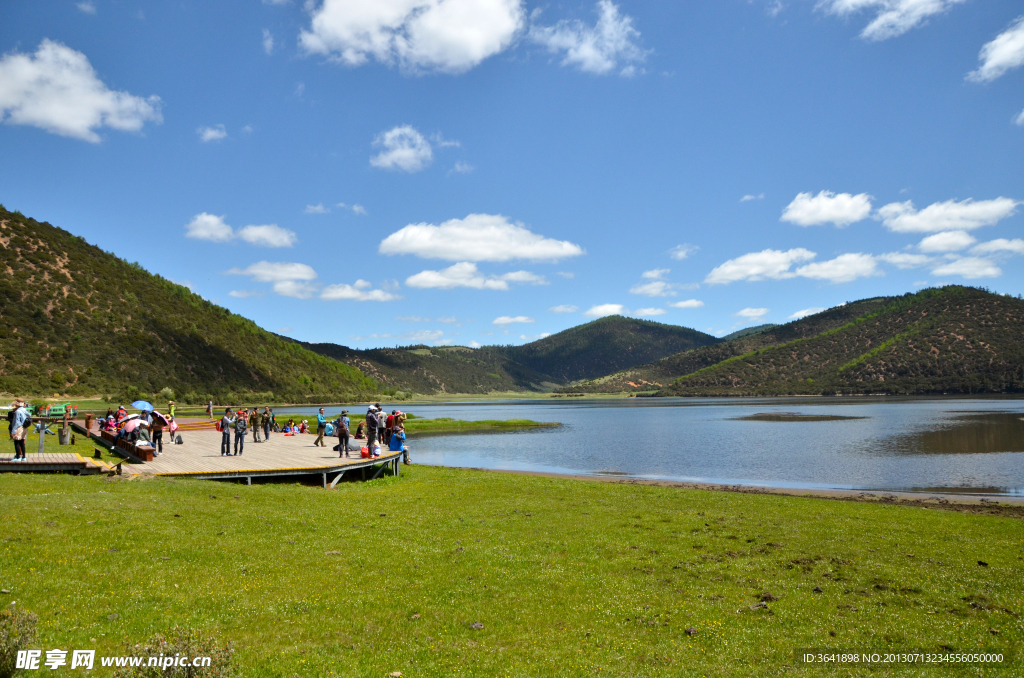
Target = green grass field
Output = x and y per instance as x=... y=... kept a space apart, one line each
x=447 y=425
x=562 y=577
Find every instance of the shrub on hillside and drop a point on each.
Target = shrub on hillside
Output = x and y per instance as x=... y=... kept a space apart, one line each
x=17 y=630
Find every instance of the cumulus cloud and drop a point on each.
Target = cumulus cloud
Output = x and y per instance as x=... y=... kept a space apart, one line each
x=680 y=252
x=319 y=208
x=806 y=312
x=478 y=237
x=1002 y=54
x=950 y=215
x=1000 y=245
x=86 y=7
x=844 y=268
x=602 y=310
x=752 y=313
x=969 y=267
x=462 y=168
x=466 y=274
x=689 y=303
x=209 y=227
x=905 y=260
x=750 y=196
x=403 y=148
x=358 y=291
x=774 y=264
x=268 y=42
x=564 y=308
x=447 y=36
x=213 y=228
x=56 y=89
x=288 y=279
x=509 y=320
x=215 y=133
x=267 y=235
x=655 y=274
x=655 y=288
x=649 y=312
x=244 y=294
x=892 y=17
x=827 y=208
x=610 y=44
x=356 y=209
x=947 y=241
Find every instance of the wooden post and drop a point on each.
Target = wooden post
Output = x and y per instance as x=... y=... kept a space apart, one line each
x=325 y=480
x=248 y=480
x=42 y=435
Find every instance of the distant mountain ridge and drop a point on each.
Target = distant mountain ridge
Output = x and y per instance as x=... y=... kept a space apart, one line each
x=949 y=340
x=582 y=352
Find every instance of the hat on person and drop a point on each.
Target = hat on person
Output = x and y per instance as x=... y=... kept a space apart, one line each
x=344 y=411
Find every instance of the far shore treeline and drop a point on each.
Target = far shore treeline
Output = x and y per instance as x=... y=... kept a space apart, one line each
x=79 y=321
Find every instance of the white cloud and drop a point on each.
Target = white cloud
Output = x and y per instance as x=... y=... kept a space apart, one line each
x=844 y=268
x=358 y=291
x=680 y=252
x=1015 y=246
x=319 y=208
x=478 y=237
x=893 y=17
x=87 y=7
x=951 y=215
x=655 y=288
x=969 y=267
x=947 y=241
x=358 y=209
x=449 y=36
x=904 y=260
x=268 y=42
x=750 y=196
x=568 y=275
x=689 y=303
x=244 y=294
x=466 y=274
x=209 y=227
x=656 y=274
x=1019 y=120
x=288 y=279
x=827 y=207
x=649 y=312
x=602 y=310
x=508 y=320
x=56 y=89
x=404 y=149
x=564 y=308
x=773 y=264
x=212 y=133
x=806 y=312
x=1002 y=54
x=752 y=313
x=462 y=168
x=474 y=344
x=267 y=235
x=609 y=45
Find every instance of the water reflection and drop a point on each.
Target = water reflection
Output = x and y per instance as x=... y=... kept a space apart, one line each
x=969 y=434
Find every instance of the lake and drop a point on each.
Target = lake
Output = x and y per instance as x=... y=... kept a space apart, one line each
x=963 y=445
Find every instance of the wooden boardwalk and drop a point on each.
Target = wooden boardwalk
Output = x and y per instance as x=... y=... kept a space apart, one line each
x=49 y=462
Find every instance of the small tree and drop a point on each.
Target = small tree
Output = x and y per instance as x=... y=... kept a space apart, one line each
x=17 y=630
x=166 y=393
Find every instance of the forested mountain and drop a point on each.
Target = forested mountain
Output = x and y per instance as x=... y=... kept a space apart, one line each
x=77 y=320
x=949 y=340
x=582 y=352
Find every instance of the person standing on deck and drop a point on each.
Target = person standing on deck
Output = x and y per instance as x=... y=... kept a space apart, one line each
x=343 y=423
x=156 y=435
x=209 y=410
x=241 y=426
x=19 y=426
x=254 y=422
x=170 y=408
x=371 y=427
x=265 y=421
x=321 y=428
x=225 y=433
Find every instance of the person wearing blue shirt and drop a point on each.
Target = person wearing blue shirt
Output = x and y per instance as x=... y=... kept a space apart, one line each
x=321 y=428
x=19 y=424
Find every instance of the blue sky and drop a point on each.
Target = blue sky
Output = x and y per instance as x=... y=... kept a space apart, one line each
x=382 y=172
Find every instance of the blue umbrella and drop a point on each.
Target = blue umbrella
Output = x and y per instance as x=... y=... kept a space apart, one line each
x=142 y=405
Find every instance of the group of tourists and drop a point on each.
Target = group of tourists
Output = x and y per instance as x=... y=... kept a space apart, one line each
x=146 y=428
x=386 y=430
x=241 y=421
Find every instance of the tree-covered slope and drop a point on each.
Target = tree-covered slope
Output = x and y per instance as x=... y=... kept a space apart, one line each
x=77 y=320
x=602 y=347
x=661 y=373
x=949 y=340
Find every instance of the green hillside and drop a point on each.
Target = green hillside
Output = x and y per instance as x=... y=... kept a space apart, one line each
x=949 y=340
x=77 y=320
x=582 y=352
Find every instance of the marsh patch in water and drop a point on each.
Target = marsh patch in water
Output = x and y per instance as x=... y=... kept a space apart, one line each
x=793 y=416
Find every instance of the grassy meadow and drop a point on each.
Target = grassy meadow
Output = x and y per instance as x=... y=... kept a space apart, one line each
x=445 y=572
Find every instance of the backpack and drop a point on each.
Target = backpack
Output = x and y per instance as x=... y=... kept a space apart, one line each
x=219 y=426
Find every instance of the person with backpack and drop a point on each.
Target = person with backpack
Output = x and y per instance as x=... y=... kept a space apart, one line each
x=371 y=427
x=20 y=421
x=341 y=425
x=224 y=426
x=254 y=422
x=241 y=428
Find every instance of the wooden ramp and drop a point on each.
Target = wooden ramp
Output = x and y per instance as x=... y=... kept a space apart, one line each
x=50 y=462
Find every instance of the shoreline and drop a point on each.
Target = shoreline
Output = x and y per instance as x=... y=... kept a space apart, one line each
x=1002 y=505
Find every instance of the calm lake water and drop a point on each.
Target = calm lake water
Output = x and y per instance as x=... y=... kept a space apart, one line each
x=916 y=444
